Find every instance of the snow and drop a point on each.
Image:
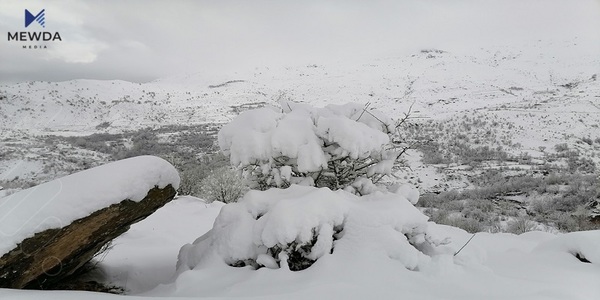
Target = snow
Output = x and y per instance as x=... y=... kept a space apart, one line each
x=354 y=139
x=372 y=256
x=373 y=118
x=57 y=203
x=258 y=135
x=585 y=244
x=146 y=254
x=370 y=259
x=245 y=137
x=303 y=144
x=244 y=231
x=533 y=266
x=408 y=190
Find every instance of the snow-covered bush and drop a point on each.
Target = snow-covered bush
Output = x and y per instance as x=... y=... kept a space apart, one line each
x=346 y=146
x=223 y=185
x=292 y=228
x=315 y=171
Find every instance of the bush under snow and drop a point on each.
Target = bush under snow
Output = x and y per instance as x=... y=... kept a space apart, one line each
x=329 y=160
x=292 y=228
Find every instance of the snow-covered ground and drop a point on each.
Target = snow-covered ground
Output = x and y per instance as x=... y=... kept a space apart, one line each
x=534 y=265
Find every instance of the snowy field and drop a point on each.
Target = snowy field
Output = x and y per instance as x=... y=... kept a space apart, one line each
x=534 y=265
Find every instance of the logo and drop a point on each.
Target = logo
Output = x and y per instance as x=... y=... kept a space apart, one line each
x=40 y=18
x=34 y=39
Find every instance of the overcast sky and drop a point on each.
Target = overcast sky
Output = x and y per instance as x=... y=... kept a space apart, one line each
x=144 y=40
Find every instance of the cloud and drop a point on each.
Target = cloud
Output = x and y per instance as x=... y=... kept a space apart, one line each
x=141 y=40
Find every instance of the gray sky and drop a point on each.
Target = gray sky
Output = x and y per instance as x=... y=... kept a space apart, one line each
x=143 y=40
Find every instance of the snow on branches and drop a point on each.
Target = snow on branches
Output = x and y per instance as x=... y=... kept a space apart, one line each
x=338 y=146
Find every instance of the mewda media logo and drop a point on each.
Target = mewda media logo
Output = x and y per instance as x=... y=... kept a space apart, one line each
x=34 y=39
x=40 y=18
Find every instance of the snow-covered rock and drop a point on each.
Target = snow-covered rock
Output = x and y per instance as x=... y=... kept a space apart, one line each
x=49 y=231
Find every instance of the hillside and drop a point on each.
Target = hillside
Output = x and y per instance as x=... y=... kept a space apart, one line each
x=532 y=99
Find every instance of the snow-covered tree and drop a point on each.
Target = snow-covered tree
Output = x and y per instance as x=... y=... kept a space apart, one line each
x=350 y=147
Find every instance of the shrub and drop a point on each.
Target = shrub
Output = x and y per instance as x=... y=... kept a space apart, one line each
x=583 y=165
x=555 y=178
x=223 y=185
x=439 y=216
x=520 y=225
x=347 y=147
x=474 y=213
x=540 y=206
x=561 y=147
x=433 y=153
x=469 y=225
x=191 y=179
x=428 y=200
x=103 y=125
x=484 y=205
x=564 y=221
x=587 y=140
x=453 y=205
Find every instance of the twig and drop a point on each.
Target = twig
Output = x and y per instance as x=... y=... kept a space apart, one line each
x=403 y=151
x=406 y=116
x=364 y=110
x=465 y=244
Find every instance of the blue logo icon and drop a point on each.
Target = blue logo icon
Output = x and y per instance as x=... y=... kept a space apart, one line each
x=40 y=18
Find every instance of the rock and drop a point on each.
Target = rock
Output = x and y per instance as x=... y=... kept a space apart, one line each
x=54 y=254
x=48 y=232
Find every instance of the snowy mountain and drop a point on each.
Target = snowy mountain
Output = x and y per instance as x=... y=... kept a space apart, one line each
x=535 y=96
x=439 y=83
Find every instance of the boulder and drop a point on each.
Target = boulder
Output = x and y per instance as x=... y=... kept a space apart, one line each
x=46 y=254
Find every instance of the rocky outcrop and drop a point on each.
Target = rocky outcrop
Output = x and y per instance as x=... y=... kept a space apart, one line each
x=51 y=255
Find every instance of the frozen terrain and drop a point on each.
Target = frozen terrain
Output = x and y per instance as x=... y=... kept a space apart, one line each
x=534 y=265
x=528 y=97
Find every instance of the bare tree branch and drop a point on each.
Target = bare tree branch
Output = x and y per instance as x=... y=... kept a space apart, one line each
x=364 y=110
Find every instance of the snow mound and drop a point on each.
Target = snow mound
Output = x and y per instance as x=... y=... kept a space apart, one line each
x=292 y=228
x=57 y=203
x=408 y=190
x=585 y=245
